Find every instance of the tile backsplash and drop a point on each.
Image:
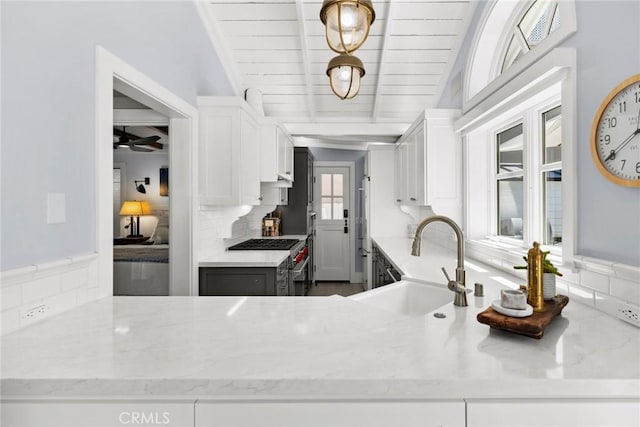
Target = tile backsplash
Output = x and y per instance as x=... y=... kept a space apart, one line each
x=222 y=226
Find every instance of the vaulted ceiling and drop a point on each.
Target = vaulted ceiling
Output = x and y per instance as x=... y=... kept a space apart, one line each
x=279 y=47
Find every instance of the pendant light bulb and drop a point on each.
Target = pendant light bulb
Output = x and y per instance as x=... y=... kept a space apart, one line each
x=345 y=72
x=347 y=23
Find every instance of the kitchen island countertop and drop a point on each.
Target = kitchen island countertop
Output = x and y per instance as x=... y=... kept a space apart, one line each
x=325 y=347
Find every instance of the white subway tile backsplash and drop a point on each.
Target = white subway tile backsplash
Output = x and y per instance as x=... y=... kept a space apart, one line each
x=10 y=320
x=596 y=281
x=40 y=288
x=11 y=296
x=47 y=288
x=625 y=290
x=581 y=295
x=74 y=279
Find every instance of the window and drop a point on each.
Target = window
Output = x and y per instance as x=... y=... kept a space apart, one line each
x=551 y=170
x=331 y=195
x=528 y=177
x=510 y=180
x=540 y=20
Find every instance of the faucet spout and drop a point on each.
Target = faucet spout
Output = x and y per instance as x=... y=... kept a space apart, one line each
x=459 y=286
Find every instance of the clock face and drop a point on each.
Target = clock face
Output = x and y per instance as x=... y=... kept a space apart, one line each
x=615 y=137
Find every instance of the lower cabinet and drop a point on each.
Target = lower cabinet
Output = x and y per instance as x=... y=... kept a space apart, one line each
x=245 y=281
x=336 y=413
x=96 y=413
x=383 y=271
x=557 y=413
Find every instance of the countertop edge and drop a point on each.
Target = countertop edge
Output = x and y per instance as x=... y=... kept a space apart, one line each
x=306 y=389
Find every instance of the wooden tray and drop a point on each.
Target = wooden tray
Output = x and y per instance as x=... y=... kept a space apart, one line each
x=532 y=326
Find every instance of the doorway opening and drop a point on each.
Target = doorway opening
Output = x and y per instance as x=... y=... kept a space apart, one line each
x=113 y=74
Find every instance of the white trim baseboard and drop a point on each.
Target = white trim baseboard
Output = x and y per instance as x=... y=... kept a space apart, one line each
x=36 y=292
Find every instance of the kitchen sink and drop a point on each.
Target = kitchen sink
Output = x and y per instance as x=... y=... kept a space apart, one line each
x=406 y=297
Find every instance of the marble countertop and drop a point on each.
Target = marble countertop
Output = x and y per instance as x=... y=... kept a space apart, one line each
x=247 y=258
x=322 y=347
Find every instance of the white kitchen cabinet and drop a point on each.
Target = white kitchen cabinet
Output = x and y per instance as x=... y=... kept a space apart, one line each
x=554 y=412
x=273 y=194
x=229 y=152
x=334 y=413
x=428 y=165
x=277 y=154
x=96 y=413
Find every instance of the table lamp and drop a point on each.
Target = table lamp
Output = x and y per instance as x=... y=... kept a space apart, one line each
x=135 y=208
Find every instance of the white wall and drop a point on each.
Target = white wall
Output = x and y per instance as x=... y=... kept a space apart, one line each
x=48 y=106
x=607 y=42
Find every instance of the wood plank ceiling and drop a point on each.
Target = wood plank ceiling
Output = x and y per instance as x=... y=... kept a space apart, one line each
x=279 y=47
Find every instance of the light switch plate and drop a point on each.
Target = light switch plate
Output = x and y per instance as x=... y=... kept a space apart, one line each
x=56 y=208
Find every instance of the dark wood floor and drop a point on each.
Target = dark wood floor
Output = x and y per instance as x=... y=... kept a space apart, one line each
x=330 y=288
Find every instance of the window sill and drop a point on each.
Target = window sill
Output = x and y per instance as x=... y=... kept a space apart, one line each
x=505 y=254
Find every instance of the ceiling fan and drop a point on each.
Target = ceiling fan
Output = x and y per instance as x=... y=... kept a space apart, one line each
x=124 y=140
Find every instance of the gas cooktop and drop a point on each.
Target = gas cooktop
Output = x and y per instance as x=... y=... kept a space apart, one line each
x=265 y=245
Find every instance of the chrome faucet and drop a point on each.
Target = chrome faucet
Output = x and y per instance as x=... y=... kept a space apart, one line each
x=458 y=286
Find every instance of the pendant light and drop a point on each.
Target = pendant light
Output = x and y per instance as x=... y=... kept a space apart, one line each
x=345 y=72
x=347 y=23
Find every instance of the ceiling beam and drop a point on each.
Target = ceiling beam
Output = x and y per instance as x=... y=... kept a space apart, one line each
x=383 y=54
x=220 y=46
x=305 y=59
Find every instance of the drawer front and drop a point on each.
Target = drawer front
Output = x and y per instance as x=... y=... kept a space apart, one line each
x=232 y=281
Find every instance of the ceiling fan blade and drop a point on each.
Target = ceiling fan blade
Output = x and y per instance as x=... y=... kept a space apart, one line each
x=142 y=150
x=145 y=140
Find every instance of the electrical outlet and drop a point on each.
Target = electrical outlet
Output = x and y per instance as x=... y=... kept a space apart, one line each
x=36 y=312
x=629 y=314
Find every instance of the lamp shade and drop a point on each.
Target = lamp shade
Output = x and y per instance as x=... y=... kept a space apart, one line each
x=345 y=73
x=347 y=23
x=135 y=208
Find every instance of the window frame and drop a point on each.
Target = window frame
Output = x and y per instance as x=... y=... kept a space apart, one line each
x=531 y=117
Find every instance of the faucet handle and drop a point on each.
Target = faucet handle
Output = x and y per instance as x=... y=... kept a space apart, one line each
x=446 y=275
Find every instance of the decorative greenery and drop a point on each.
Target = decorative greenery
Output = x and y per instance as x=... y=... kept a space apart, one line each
x=548 y=265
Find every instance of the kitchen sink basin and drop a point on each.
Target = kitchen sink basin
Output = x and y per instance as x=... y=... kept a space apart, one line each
x=406 y=297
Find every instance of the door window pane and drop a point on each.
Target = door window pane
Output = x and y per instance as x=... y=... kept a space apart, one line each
x=552 y=136
x=326 y=208
x=325 y=184
x=337 y=184
x=552 y=185
x=510 y=150
x=510 y=207
x=337 y=208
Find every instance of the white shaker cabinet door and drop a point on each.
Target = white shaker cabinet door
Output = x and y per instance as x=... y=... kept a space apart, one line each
x=557 y=413
x=338 y=413
x=96 y=413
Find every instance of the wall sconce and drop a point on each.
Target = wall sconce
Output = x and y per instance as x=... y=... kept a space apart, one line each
x=135 y=208
x=347 y=23
x=140 y=187
x=345 y=72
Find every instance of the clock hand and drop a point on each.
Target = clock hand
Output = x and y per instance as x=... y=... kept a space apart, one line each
x=612 y=154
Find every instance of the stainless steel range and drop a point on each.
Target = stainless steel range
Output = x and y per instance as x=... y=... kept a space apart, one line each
x=267 y=245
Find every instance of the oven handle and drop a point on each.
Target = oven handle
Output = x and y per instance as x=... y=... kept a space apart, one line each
x=300 y=266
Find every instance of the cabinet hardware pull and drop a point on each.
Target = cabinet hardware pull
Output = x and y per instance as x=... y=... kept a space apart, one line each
x=391 y=275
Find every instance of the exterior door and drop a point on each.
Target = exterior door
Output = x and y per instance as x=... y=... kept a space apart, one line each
x=333 y=223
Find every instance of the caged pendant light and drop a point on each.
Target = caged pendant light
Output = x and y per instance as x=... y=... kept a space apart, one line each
x=345 y=72
x=347 y=23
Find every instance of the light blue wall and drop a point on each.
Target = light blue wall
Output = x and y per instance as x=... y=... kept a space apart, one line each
x=607 y=43
x=333 y=155
x=48 y=106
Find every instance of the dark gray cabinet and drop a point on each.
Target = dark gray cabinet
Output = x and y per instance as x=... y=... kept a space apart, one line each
x=246 y=281
x=383 y=271
x=296 y=215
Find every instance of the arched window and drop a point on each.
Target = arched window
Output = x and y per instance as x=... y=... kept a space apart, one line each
x=511 y=36
x=541 y=19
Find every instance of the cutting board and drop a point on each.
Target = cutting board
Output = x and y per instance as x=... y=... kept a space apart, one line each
x=532 y=326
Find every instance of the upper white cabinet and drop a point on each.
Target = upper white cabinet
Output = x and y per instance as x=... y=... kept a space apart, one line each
x=428 y=163
x=276 y=147
x=229 y=156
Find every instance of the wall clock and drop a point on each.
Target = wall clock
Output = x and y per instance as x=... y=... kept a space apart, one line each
x=615 y=134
